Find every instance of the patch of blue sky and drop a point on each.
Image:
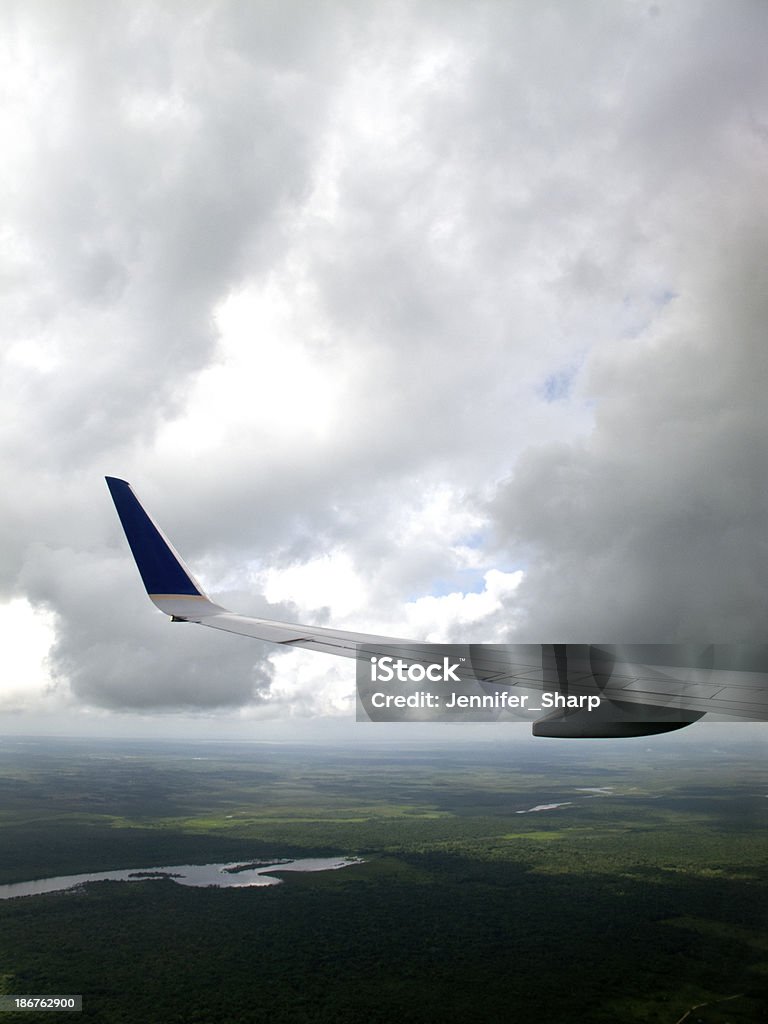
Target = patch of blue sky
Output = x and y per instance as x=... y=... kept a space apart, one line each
x=474 y=540
x=557 y=386
x=461 y=581
x=658 y=297
x=640 y=311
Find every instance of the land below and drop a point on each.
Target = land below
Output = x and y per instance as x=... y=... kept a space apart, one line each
x=568 y=883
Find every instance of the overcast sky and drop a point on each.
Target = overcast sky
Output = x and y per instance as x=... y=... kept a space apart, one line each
x=440 y=319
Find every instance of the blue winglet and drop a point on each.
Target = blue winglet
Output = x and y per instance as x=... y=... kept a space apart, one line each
x=162 y=570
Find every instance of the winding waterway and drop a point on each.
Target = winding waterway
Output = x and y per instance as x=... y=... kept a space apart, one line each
x=237 y=874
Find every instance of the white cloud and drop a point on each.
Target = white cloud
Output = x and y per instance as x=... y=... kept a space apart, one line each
x=274 y=375
x=460 y=617
x=27 y=636
x=330 y=583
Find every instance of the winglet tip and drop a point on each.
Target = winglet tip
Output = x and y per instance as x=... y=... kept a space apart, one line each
x=116 y=482
x=159 y=564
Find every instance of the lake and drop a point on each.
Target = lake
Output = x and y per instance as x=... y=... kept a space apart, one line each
x=238 y=874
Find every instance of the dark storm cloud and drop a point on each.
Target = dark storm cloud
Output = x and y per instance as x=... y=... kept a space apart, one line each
x=112 y=653
x=654 y=527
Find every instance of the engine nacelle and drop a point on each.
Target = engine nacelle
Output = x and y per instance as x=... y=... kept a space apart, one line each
x=614 y=720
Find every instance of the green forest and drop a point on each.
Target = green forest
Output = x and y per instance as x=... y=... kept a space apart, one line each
x=643 y=893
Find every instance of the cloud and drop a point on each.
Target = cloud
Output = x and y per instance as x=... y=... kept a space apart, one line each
x=652 y=528
x=27 y=638
x=452 y=616
x=423 y=295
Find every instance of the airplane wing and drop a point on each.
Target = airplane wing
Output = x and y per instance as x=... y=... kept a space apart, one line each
x=643 y=688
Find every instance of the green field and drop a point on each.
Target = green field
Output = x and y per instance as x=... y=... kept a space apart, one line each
x=644 y=894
